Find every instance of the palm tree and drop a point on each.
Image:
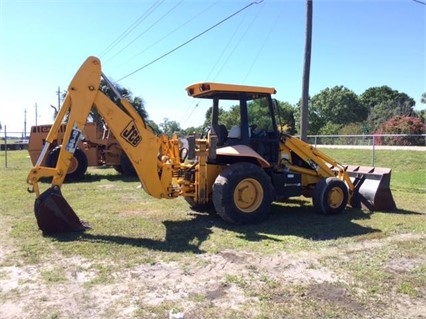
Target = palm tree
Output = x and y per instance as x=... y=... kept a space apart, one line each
x=136 y=102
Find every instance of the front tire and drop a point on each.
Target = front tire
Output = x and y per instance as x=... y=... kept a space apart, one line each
x=330 y=196
x=242 y=194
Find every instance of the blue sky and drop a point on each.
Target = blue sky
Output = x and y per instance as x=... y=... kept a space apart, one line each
x=358 y=44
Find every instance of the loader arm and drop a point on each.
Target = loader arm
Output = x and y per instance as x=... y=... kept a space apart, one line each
x=368 y=187
x=319 y=162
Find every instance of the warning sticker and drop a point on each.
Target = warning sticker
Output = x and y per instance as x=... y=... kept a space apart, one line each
x=73 y=141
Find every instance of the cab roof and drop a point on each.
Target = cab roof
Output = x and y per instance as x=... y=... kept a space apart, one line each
x=210 y=90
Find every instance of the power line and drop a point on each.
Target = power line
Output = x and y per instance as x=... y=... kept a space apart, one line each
x=421 y=2
x=221 y=55
x=190 y=40
x=126 y=32
x=237 y=43
x=220 y=58
x=145 y=31
x=173 y=31
x=265 y=40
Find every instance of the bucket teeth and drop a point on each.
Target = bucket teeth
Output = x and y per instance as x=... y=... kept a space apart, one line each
x=54 y=214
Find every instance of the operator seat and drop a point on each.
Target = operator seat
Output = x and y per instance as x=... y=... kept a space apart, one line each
x=234 y=136
x=221 y=132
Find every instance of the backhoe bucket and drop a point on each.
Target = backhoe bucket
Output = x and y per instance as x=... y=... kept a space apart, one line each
x=374 y=192
x=55 y=215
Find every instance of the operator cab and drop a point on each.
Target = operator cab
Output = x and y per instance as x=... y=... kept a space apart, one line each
x=254 y=125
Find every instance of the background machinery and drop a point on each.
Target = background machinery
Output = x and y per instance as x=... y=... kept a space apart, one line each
x=99 y=147
x=239 y=174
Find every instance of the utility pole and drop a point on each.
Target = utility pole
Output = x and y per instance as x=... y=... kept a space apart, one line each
x=25 y=124
x=58 y=93
x=5 y=146
x=36 y=114
x=306 y=73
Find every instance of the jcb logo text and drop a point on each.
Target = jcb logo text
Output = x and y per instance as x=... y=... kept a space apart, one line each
x=131 y=134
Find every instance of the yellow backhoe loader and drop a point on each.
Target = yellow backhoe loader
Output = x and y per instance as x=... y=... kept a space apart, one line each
x=239 y=171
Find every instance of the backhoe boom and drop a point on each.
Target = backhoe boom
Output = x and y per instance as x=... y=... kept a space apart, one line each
x=140 y=144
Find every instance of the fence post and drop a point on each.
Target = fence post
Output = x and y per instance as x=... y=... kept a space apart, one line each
x=5 y=146
x=374 y=150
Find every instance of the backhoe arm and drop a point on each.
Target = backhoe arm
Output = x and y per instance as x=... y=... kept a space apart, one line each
x=137 y=140
x=78 y=102
x=139 y=143
x=152 y=157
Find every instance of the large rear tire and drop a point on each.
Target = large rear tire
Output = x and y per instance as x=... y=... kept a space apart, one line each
x=330 y=196
x=242 y=194
x=78 y=165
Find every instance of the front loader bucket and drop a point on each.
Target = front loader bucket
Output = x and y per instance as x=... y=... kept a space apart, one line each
x=55 y=215
x=374 y=192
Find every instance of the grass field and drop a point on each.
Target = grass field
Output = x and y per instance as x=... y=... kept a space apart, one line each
x=146 y=257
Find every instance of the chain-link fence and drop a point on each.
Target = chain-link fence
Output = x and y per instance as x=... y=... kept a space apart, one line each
x=369 y=140
x=11 y=141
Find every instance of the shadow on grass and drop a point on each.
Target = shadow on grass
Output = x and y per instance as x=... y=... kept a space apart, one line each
x=300 y=221
x=181 y=236
x=404 y=212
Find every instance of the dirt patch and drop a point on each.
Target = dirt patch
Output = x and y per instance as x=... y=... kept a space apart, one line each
x=338 y=296
x=229 y=280
x=404 y=265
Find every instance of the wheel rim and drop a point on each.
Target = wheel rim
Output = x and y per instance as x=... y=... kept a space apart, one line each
x=335 y=197
x=73 y=165
x=248 y=195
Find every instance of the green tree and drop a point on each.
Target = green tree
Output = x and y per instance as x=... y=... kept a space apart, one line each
x=314 y=120
x=169 y=127
x=208 y=117
x=155 y=128
x=339 y=105
x=285 y=113
x=336 y=105
x=231 y=117
x=258 y=115
x=352 y=129
x=330 y=128
x=422 y=113
x=384 y=103
x=192 y=130
x=126 y=94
